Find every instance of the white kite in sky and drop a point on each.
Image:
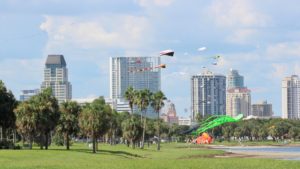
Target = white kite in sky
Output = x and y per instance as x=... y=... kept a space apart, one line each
x=201 y=49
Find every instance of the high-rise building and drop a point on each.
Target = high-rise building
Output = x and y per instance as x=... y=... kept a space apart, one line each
x=56 y=77
x=234 y=80
x=133 y=71
x=169 y=115
x=208 y=94
x=291 y=97
x=238 y=97
x=263 y=109
x=238 y=101
x=27 y=94
x=138 y=72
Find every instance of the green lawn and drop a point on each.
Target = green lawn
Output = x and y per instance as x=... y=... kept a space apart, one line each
x=173 y=156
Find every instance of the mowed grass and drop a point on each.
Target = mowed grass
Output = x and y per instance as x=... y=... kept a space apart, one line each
x=172 y=156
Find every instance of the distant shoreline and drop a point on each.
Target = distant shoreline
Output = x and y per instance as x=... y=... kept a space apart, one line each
x=233 y=151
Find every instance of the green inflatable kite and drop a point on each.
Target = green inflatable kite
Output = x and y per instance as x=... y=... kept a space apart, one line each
x=215 y=121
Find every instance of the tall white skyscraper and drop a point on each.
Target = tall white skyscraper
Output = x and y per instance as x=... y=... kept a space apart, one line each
x=208 y=94
x=291 y=97
x=56 y=77
x=138 y=72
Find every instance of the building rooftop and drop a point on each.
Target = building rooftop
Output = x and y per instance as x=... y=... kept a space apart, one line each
x=206 y=72
x=240 y=90
x=56 y=60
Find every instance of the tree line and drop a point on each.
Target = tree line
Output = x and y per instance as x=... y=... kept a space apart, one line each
x=41 y=119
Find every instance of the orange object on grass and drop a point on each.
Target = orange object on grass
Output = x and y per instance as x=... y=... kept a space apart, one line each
x=204 y=139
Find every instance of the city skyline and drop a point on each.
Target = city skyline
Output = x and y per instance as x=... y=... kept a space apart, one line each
x=250 y=36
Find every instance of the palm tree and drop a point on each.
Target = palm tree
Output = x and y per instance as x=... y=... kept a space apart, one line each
x=68 y=122
x=130 y=95
x=143 y=99
x=26 y=119
x=94 y=119
x=157 y=103
x=132 y=130
x=46 y=106
x=113 y=126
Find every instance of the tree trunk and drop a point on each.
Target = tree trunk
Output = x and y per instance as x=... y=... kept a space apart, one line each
x=144 y=130
x=3 y=133
x=114 y=137
x=41 y=142
x=94 y=144
x=132 y=144
x=46 y=140
x=1 y=136
x=68 y=141
x=158 y=132
x=30 y=142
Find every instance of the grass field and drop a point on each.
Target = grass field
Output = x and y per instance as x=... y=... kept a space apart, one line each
x=173 y=156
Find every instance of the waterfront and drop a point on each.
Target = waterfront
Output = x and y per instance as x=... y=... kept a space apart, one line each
x=276 y=152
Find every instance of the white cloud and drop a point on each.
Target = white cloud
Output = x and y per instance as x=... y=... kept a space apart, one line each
x=147 y=3
x=283 y=50
x=279 y=71
x=240 y=18
x=236 y=13
x=123 y=31
x=242 y=36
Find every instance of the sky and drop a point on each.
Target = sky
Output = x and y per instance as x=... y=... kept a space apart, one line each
x=261 y=39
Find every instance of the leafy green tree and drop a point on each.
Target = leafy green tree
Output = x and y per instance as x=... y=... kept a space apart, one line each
x=150 y=129
x=94 y=120
x=227 y=131
x=68 y=121
x=246 y=129
x=294 y=132
x=273 y=132
x=122 y=116
x=263 y=133
x=157 y=103
x=132 y=130
x=7 y=105
x=238 y=132
x=255 y=131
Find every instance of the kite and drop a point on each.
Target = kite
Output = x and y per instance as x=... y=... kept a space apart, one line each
x=201 y=49
x=161 y=66
x=168 y=52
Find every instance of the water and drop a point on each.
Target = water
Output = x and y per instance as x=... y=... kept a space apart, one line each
x=294 y=151
x=268 y=149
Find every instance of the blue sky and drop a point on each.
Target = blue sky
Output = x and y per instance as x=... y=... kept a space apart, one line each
x=259 y=38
